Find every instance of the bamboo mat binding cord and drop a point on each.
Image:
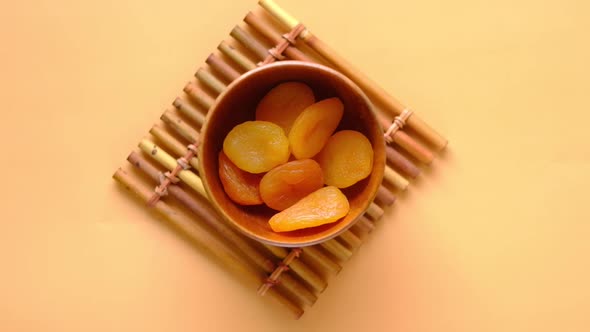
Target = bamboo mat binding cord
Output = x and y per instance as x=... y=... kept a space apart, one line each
x=292 y=277
x=168 y=178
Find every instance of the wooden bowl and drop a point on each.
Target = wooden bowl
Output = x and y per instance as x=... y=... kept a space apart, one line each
x=238 y=103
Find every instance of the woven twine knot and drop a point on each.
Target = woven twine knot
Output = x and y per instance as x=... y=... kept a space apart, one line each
x=183 y=162
x=289 y=39
x=193 y=147
x=281 y=267
x=163 y=176
x=164 y=179
x=276 y=53
x=398 y=123
x=168 y=178
x=161 y=191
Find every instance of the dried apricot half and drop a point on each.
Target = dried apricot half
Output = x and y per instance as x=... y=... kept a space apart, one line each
x=241 y=187
x=346 y=158
x=323 y=206
x=283 y=104
x=257 y=146
x=314 y=126
x=285 y=185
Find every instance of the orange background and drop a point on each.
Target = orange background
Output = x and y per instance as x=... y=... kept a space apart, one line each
x=494 y=237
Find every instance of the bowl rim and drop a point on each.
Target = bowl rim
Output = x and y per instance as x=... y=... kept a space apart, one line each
x=206 y=184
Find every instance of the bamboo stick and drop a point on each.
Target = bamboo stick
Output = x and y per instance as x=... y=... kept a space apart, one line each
x=362 y=228
x=172 y=144
x=279 y=13
x=259 y=50
x=181 y=127
x=414 y=148
x=334 y=248
x=279 y=252
x=301 y=268
x=351 y=240
x=188 y=177
x=384 y=196
x=276 y=274
x=210 y=81
x=395 y=179
x=210 y=217
x=227 y=72
x=417 y=150
x=189 y=111
x=237 y=57
x=322 y=259
x=268 y=32
x=375 y=211
x=365 y=224
x=198 y=95
x=374 y=91
x=337 y=250
x=360 y=232
x=204 y=240
x=402 y=163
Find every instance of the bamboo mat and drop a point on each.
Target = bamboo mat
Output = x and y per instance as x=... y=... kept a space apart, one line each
x=301 y=274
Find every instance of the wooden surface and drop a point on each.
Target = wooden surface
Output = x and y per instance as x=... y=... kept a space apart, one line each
x=493 y=237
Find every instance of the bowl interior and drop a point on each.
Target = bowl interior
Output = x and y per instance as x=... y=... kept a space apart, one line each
x=238 y=103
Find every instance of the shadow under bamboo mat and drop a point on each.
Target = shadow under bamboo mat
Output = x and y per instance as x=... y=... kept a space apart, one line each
x=292 y=277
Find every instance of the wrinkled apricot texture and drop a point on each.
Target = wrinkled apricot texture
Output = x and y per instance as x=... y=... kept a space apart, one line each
x=314 y=126
x=241 y=187
x=346 y=159
x=257 y=146
x=323 y=206
x=283 y=104
x=285 y=185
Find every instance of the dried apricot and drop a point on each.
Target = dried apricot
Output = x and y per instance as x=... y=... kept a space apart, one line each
x=323 y=206
x=313 y=127
x=283 y=104
x=285 y=185
x=241 y=187
x=257 y=146
x=346 y=158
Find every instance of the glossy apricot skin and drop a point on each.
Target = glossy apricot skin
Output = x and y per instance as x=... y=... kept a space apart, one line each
x=257 y=146
x=323 y=206
x=283 y=104
x=346 y=159
x=240 y=186
x=285 y=185
x=314 y=126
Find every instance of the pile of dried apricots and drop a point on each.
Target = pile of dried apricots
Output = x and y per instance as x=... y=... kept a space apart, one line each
x=285 y=157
